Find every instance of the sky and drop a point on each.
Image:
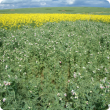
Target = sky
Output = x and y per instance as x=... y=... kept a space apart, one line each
x=15 y=4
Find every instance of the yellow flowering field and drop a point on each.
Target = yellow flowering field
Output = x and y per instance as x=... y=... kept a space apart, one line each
x=17 y=20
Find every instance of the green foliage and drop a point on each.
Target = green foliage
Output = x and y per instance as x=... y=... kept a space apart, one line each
x=68 y=10
x=58 y=66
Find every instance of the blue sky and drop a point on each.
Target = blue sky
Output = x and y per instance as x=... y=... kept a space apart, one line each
x=13 y=4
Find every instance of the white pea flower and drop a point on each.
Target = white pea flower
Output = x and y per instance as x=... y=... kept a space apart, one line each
x=29 y=107
x=65 y=95
x=58 y=94
x=76 y=97
x=4 y=99
x=6 y=67
x=60 y=98
x=109 y=107
x=77 y=86
x=72 y=91
x=108 y=57
x=84 y=67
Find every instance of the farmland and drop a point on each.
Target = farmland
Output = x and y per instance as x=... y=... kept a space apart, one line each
x=54 y=63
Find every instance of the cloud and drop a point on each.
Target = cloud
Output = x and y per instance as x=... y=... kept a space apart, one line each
x=70 y=2
x=12 y=1
x=43 y=3
x=1 y=5
x=94 y=2
x=40 y=0
x=9 y=4
x=3 y=1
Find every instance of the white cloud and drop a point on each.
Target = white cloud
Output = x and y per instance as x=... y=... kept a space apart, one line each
x=12 y=1
x=1 y=5
x=70 y=1
x=40 y=0
x=35 y=0
x=94 y=2
x=43 y=3
x=9 y=4
x=3 y=1
x=4 y=5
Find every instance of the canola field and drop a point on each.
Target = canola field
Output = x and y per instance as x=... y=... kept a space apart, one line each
x=9 y=21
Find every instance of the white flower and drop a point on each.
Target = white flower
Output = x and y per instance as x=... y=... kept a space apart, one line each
x=79 y=73
x=60 y=98
x=92 y=78
x=29 y=107
x=65 y=95
x=71 y=97
x=1 y=108
x=30 y=91
x=34 y=34
x=108 y=57
x=58 y=94
x=108 y=105
x=24 y=73
x=101 y=86
x=68 y=81
x=93 y=71
x=75 y=75
x=6 y=67
x=4 y=99
x=5 y=82
x=77 y=86
x=72 y=91
x=76 y=97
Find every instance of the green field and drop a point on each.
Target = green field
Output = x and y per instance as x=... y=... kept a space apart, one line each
x=58 y=66
x=66 y=10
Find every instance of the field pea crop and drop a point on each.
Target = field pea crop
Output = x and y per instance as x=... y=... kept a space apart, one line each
x=56 y=66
